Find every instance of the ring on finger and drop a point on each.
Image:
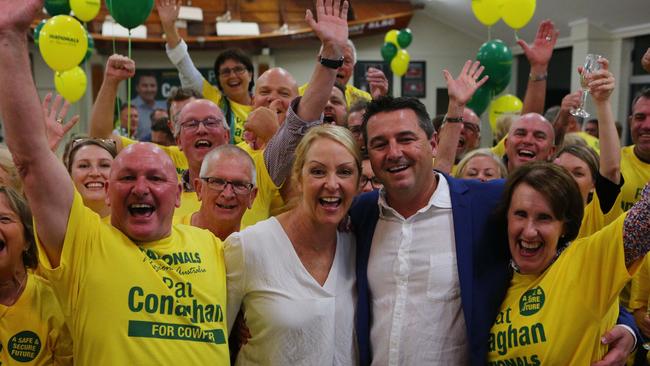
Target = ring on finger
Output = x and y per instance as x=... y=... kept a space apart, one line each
x=548 y=38
x=59 y=120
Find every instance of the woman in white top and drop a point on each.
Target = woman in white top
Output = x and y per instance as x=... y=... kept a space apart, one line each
x=293 y=275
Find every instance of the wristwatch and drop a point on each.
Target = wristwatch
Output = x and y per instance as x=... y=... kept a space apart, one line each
x=332 y=64
x=458 y=119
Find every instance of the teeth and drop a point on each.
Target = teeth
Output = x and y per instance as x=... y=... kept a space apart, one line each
x=397 y=168
x=531 y=246
x=141 y=205
x=227 y=207
x=203 y=143
x=527 y=153
x=95 y=185
x=331 y=199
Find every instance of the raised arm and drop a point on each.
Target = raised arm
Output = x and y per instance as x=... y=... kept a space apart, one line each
x=538 y=54
x=460 y=91
x=55 y=124
x=561 y=123
x=332 y=30
x=118 y=68
x=176 y=48
x=601 y=85
x=377 y=82
x=46 y=182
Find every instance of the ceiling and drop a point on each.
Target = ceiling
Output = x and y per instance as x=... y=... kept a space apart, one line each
x=610 y=15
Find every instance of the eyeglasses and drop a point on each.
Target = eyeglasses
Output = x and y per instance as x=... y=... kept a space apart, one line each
x=237 y=70
x=76 y=142
x=472 y=127
x=374 y=182
x=209 y=123
x=219 y=185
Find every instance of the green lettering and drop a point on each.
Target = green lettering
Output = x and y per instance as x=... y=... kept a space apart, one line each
x=132 y=304
x=538 y=333
x=524 y=336
x=501 y=343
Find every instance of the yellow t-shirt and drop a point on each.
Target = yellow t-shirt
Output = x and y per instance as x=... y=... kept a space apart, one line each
x=177 y=156
x=240 y=111
x=151 y=303
x=32 y=331
x=352 y=94
x=636 y=174
x=500 y=148
x=558 y=317
x=267 y=194
x=595 y=219
x=640 y=292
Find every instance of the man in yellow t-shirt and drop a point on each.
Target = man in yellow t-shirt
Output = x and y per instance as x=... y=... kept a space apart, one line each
x=635 y=159
x=138 y=291
x=375 y=77
x=558 y=317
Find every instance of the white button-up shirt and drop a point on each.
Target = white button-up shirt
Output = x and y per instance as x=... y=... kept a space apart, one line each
x=417 y=317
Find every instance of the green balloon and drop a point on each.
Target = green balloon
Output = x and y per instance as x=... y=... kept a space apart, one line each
x=496 y=57
x=481 y=100
x=498 y=87
x=129 y=13
x=37 y=31
x=404 y=37
x=57 y=7
x=388 y=51
x=91 y=49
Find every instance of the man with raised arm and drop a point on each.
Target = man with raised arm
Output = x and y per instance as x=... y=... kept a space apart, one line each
x=139 y=291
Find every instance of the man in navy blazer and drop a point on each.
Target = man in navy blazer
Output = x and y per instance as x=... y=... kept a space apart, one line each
x=400 y=142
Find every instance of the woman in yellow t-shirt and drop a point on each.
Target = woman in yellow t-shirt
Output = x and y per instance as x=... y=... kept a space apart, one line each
x=32 y=328
x=89 y=161
x=561 y=297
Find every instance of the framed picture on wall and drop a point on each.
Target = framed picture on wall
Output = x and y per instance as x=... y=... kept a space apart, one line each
x=414 y=82
x=362 y=67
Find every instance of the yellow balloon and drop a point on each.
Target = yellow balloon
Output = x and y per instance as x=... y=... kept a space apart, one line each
x=71 y=84
x=517 y=13
x=85 y=10
x=504 y=104
x=391 y=37
x=400 y=62
x=487 y=12
x=63 y=42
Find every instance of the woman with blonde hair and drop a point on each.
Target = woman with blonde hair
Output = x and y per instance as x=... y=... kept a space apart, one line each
x=293 y=275
x=481 y=164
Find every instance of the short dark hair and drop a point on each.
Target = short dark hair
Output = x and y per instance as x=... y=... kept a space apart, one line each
x=19 y=205
x=643 y=93
x=161 y=125
x=557 y=186
x=153 y=113
x=237 y=55
x=390 y=104
x=146 y=74
x=180 y=94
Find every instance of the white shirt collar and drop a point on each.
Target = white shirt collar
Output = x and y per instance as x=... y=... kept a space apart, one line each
x=441 y=198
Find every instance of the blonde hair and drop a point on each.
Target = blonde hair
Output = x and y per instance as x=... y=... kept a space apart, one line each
x=503 y=171
x=502 y=126
x=335 y=133
x=7 y=164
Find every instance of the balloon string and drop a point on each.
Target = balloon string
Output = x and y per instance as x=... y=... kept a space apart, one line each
x=118 y=103
x=128 y=93
x=516 y=36
x=489 y=33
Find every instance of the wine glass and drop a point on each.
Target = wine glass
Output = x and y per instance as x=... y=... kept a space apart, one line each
x=591 y=65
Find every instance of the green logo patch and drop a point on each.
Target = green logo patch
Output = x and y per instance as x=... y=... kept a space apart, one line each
x=24 y=346
x=531 y=301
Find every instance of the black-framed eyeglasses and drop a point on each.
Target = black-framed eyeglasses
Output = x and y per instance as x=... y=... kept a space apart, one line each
x=374 y=182
x=210 y=123
x=219 y=185
x=472 y=127
x=237 y=70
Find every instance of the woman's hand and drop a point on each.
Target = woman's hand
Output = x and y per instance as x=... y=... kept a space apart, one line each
x=57 y=127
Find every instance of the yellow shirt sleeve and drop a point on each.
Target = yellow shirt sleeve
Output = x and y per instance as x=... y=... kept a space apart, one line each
x=352 y=94
x=640 y=292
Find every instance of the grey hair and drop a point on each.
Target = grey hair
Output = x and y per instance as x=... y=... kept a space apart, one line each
x=228 y=151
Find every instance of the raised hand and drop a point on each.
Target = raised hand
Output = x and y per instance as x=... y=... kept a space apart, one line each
x=168 y=11
x=462 y=88
x=119 y=68
x=571 y=101
x=602 y=82
x=57 y=127
x=540 y=51
x=332 y=24
x=18 y=15
x=262 y=124
x=377 y=82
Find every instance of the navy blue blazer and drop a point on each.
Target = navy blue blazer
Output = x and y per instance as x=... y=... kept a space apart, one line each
x=483 y=266
x=483 y=262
